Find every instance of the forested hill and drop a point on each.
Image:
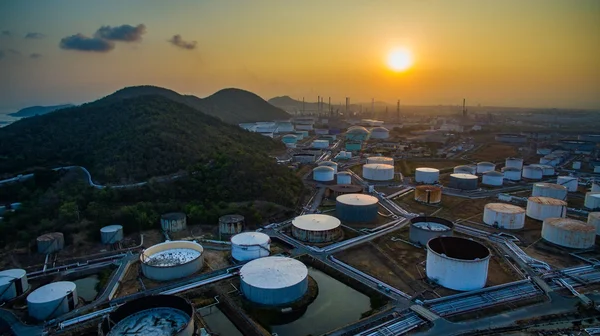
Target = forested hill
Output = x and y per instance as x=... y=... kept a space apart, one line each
x=37 y=110
x=129 y=140
x=230 y=105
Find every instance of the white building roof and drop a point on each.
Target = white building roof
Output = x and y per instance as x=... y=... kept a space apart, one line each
x=8 y=276
x=316 y=222
x=51 y=292
x=250 y=238
x=357 y=199
x=273 y=272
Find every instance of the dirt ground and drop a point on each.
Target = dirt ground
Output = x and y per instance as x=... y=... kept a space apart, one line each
x=494 y=152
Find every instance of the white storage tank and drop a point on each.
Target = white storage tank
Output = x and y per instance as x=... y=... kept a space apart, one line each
x=316 y=228
x=576 y=165
x=541 y=208
x=427 y=175
x=484 y=167
x=457 y=263
x=569 y=233
x=52 y=300
x=323 y=174
x=463 y=181
x=330 y=164
x=172 y=260
x=465 y=169
x=13 y=283
x=549 y=190
x=111 y=234
x=532 y=172
x=380 y=133
x=344 y=178
x=274 y=281
x=594 y=219
x=250 y=245
x=381 y=159
x=173 y=222
x=511 y=173
x=492 y=178
x=592 y=200
x=378 y=172
x=50 y=242
x=504 y=216
x=321 y=144
x=514 y=163
x=547 y=170
x=570 y=182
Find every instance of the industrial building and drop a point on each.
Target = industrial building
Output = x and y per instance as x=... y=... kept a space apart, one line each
x=343 y=189
x=274 y=281
x=514 y=163
x=423 y=229
x=381 y=160
x=427 y=175
x=111 y=234
x=428 y=194
x=551 y=190
x=316 y=228
x=457 y=263
x=463 y=181
x=173 y=222
x=50 y=242
x=250 y=245
x=532 y=172
x=172 y=260
x=330 y=164
x=570 y=182
x=592 y=200
x=504 y=216
x=230 y=225
x=492 y=178
x=594 y=220
x=13 y=283
x=150 y=315
x=378 y=172
x=569 y=233
x=52 y=300
x=344 y=178
x=356 y=208
x=484 y=167
x=465 y=169
x=541 y=208
x=511 y=173
x=380 y=133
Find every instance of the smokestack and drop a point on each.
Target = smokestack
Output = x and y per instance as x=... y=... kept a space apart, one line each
x=302 y=105
x=464 y=111
x=398 y=110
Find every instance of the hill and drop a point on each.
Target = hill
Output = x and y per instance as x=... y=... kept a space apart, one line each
x=230 y=105
x=123 y=140
x=291 y=105
x=38 y=110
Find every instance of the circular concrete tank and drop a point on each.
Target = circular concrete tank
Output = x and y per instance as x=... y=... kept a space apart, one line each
x=594 y=219
x=484 y=167
x=356 y=208
x=514 y=163
x=316 y=228
x=378 y=172
x=541 y=208
x=533 y=172
x=111 y=234
x=250 y=245
x=172 y=260
x=569 y=233
x=493 y=178
x=572 y=183
x=549 y=190
x=505 y=216
x=323 y=174
x=427 y=175
x=13 y=283
x=463 y=181
x=230 y=225
x=173 y=222
x=274 y=281
x=50 y=242
x=422 y=229
x=592 y=200
x=52 y=300
x=457 y=263
x=511 y=173
x=428 y=194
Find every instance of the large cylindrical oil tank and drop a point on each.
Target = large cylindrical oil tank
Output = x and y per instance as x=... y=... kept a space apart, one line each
x=316 y=228
x=549 y=190
x=378 y=172
x=50 y=242
x=428 y=194
x=111 y=234
x=427 y=175
x=13 y=283
x=541 y=208
x=465 y=169
x=514 y=163
x=570 y=182
x=173 y=222
x=463 y=181
x=504 y=216
x=230 y=225
x=569 y=233
x=594 y=219
x=592 y=200
x=356 y=208
x=492 y=178
x=511 y=173
x=344 y=178
x=52 y=300
x=422 y=229
x=380 y=133
x=323 y=174
x=330 y=164
x=457 y=263
x=172 y=260
x=250 y=245
x=150 y=315
x=547 y=170
x=484 y=167
x=274 y=281
x=381 y=159
x=532 y=172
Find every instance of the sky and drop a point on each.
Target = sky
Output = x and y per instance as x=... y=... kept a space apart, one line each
x=525 y=53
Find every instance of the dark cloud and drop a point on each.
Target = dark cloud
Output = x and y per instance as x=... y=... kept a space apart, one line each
x=83 y=43
x=14 y=52
x=35 y=55
x=6 y=33
x=35 y=36
x=124 y=33
x=176 y=40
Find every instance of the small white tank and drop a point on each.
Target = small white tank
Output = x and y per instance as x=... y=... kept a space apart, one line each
x=484 y=167
x=514 y=163
x=505 y=216
x=570 y=182
x=592 y=200
x=569 y=233
x=50 y=242
x=52 y=300
x=511 y=173
x=378 y=172
x=547 y=170
x=533 y=173
x=549 y=190
x=330 y=164
x=250 y=245
x=492 y=178
x=111 y=234
x=541 y=208
x=13 y=283
x=323 y=174
x=427 y=175
x=594 y=219
x=344 y=178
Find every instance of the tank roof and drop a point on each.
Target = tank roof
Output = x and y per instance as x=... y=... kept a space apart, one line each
x=233 y=218
x=464 y=167
x=50 y=236
x=458 y=248
x=570 y=224
x=316 y=222
x=357 y=199
x=431 y=226
x=505 y=208
x=378 y=166
x=550 y=186
x=323 y=169
x=154 y=321
x=250 y=238
x=111 y=228
x=379 y=129
x=344 y=173
x=173 y=215
x=485 y=163
x=347 y=188
x=289 y=136
x=427 y=170
x=546 y=200
x=464 y=176
x=51 y=292
x=8 y=276
x=273 y=272
x=357 y=129
x=493 y=173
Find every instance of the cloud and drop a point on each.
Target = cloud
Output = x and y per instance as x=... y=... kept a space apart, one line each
x=126 y=33
x=6 y=33
x=35 y=36
x=176 y=40
x=83 y=43
x=35 y=55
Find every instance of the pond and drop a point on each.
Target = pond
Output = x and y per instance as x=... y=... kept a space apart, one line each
x=86 y=287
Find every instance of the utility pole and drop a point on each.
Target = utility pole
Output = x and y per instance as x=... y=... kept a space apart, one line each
x=302 y=105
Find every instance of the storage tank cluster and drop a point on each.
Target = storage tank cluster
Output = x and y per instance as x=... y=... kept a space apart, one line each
x=422 y=229
x=50 y=242
x=511 y=173
x=323 y=174
x=172 y=260
x=173 y=222
x=541 y=208
x=592 y=200
x=150 y=315
x=514 y=163
x=492 y=178
x=13 y=283
x=111 y=234
x=504 y=216
x=594 y=220
x=378 y=172
x=463 y=181
x=381 y=160
x=427 y=175
x=465 y=169
x=380 y=133
x=316 y=228
x=356 y=207
x=428 y=194
x=230 y=225
x=569 y=233
x=250 y=245
x=344 y=178
x=52 y=300
x=274 y=281
x=533 y=172
x=457 y=263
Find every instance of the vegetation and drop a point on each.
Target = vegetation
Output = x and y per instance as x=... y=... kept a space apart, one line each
x=38 y=110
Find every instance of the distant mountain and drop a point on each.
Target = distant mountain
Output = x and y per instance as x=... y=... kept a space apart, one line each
x=230 y=105
x=291 y=105
x=38 y=110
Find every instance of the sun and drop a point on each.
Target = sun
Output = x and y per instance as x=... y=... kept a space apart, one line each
x=399 y=60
